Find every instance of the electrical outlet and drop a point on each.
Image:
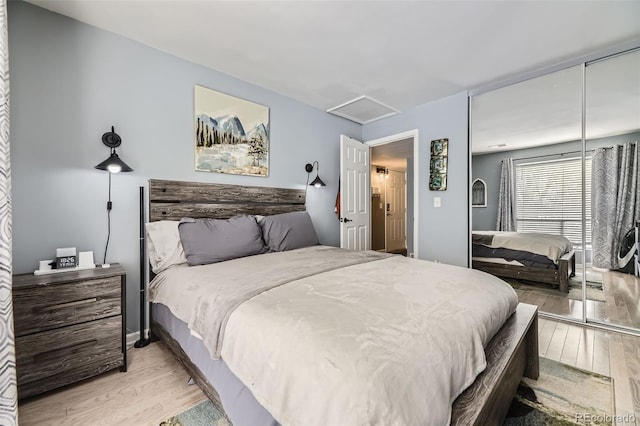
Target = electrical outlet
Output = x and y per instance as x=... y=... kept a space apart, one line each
x=411 y=255
x=437 y=202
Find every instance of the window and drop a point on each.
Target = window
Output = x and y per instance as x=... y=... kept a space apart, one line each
x=549 y=198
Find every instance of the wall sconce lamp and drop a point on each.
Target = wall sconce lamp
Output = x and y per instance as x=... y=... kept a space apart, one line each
x=317 y=182
x=113 y=164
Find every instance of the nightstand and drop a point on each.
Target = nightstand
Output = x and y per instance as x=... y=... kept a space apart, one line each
x=69 y=326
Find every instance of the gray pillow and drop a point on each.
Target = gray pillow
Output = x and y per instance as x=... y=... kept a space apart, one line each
x=288 y=231
x=215 y=240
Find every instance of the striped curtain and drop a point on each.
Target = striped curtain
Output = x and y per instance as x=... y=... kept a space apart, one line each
x=507 y=198
x=8 y=389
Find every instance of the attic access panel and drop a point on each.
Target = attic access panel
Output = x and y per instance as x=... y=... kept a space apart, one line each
x=363 y=110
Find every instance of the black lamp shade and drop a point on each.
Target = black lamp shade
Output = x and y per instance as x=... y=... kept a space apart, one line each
x=317 y=182
x=114 y=164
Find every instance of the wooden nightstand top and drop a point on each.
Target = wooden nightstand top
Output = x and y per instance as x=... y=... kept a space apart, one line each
x=30 y=280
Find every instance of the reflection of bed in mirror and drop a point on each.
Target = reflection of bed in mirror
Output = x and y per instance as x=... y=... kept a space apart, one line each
x=536 y=257
x=510 y=353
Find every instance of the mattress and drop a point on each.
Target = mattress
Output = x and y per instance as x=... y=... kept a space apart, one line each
x=529 y=248
x=238 y=401
x=523 y=258
x=364 y=339
x=498 y=260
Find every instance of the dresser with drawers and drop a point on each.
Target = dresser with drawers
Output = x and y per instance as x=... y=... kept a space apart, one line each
x=69 y=326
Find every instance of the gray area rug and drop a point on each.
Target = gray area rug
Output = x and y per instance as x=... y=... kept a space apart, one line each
x=562 y=395
x=595 y=290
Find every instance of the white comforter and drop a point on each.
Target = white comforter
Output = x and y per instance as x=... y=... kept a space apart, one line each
x=204 y=296
x=389 y=341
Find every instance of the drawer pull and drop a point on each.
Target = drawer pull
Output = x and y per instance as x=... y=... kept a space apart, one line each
x=52 y=353
x=70 y=304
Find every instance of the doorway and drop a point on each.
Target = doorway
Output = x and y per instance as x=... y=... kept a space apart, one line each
x=392 y=196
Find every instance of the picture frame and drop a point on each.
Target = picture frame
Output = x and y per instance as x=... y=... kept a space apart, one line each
x=438 y=182
x=439 y=164
x=231 y=135
x=440 y=147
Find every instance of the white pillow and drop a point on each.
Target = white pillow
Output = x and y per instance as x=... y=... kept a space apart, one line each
x=163 y=244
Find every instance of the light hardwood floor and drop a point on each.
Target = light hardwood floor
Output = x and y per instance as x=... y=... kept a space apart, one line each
x=603 y=352
x=621 y=305
x=155 y=387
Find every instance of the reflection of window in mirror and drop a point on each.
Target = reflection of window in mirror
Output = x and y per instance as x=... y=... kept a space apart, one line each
x=479 y=193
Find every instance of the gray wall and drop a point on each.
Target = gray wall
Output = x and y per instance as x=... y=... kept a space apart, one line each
x=443 y=232
x=487 y=167
x=70 y=82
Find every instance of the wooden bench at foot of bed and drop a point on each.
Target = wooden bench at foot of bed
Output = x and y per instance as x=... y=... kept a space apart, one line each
x=560 y=277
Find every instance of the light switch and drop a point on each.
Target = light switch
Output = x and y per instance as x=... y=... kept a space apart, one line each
x=436 y=202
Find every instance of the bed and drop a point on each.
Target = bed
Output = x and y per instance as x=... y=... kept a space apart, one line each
x=248 y=364
x=535 y=257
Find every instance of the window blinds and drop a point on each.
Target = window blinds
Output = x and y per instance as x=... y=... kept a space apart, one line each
x=549 y=198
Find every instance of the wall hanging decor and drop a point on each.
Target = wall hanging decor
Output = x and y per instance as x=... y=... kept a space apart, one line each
x=231 y=134
x=479 y=193
x=438 y=165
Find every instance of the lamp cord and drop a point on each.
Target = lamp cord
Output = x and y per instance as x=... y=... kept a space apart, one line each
x=109 y=205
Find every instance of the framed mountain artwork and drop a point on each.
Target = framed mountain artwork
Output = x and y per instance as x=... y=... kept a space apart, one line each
x=231 y=134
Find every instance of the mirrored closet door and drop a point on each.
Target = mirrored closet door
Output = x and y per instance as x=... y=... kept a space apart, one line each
x=559 y=157
x=612 y=128
x=527 y=148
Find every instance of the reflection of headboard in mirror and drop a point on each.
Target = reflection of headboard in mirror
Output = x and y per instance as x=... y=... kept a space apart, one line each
x=173 y=200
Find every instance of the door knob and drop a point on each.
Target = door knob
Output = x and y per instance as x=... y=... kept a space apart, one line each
x=345 y=220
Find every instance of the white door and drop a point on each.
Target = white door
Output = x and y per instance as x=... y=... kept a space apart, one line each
x=396 y=219
x=355 y=211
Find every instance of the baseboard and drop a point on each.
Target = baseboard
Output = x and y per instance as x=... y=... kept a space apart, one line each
x=134 y=337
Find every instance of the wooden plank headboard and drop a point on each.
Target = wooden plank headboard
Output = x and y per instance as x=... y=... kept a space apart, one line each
x=173 y=200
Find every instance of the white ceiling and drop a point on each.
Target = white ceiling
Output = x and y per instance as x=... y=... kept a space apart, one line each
x=401 y=53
